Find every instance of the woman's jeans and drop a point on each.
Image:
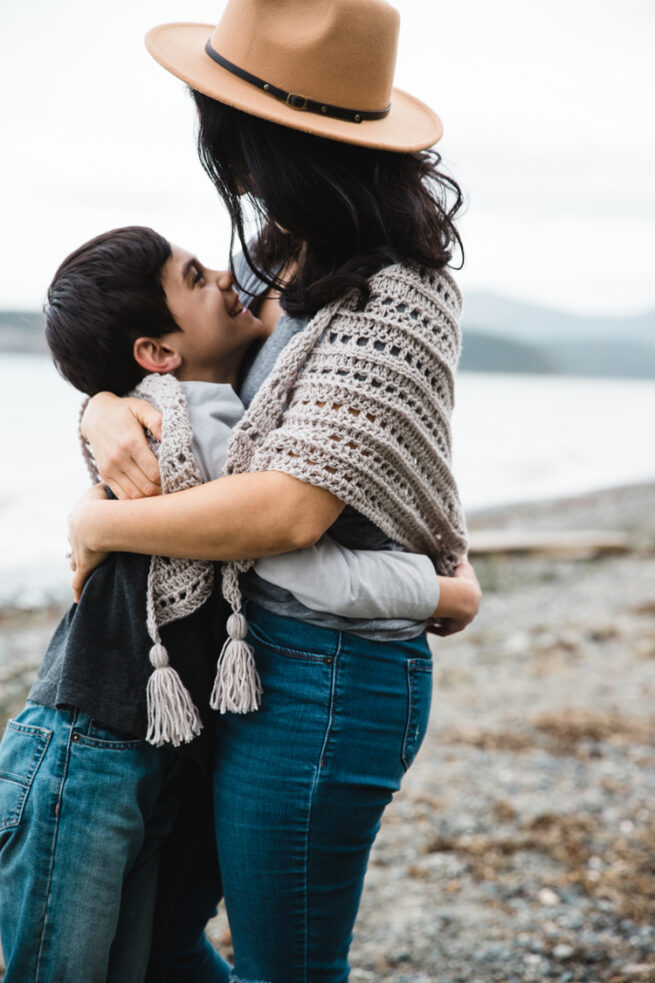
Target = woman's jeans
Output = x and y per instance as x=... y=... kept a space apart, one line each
x=299 y=790
x=83 y=814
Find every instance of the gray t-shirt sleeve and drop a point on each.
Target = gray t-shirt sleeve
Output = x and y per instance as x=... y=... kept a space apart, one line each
x=214 y=408
x=356 y=583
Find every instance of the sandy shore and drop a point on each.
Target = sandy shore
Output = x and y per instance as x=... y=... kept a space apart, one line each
x=522 y=845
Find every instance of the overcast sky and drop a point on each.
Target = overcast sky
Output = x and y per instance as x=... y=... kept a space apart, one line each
x=547 y=109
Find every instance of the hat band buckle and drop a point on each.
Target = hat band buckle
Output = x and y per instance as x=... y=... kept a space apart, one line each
x=293 y=100
x=296 y=102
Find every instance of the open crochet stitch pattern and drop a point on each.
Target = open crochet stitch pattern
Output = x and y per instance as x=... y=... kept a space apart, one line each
x=360 y=403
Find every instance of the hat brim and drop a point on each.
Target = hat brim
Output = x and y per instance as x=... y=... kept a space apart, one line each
x=180 y=49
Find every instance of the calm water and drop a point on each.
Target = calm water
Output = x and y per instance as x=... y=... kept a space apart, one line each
x=516 y=438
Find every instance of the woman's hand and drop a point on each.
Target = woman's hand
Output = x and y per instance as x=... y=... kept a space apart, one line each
x=83 y=559
x=459 y=594
x=114 y=427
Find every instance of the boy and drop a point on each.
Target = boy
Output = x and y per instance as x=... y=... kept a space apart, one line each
x=97 y=764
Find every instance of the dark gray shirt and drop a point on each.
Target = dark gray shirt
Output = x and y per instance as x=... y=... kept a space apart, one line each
x=97 y=659
x=351 y=529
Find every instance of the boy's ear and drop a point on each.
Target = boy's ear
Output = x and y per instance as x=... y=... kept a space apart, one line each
x=153 y=355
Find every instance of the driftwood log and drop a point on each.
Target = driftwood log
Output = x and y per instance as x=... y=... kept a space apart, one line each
x=569 y=544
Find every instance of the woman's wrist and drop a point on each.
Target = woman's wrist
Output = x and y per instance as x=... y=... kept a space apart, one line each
x=93 y=523
x=93 y=407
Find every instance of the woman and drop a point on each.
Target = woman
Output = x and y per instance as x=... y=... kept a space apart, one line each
x=348 y=430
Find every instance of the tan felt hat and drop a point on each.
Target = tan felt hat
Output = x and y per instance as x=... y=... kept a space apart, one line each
x=322 y=66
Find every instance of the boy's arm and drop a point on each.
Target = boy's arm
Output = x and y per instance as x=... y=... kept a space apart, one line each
x=366 y=583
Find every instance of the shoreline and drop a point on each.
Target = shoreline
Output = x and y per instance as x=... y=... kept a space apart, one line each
x=578 y=507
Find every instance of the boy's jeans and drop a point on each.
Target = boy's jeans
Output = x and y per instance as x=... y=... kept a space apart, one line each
x=83 y=814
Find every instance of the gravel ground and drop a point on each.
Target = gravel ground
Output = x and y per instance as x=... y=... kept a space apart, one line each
x=522 y=845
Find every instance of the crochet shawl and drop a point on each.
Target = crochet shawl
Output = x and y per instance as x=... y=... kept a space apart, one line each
x=176 y=587
x=359 y=403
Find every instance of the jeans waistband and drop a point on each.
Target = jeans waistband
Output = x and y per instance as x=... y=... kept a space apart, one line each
x=67 y=716
x=291 y=633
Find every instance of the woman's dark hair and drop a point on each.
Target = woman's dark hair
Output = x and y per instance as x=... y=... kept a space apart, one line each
x=103 y=297
x=343 y=211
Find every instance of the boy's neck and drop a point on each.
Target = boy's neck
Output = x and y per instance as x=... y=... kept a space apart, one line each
x=207 y=374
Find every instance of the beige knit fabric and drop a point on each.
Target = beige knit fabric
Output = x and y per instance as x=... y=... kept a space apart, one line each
x=360 y=403
x=176 y=587
x=180 y=586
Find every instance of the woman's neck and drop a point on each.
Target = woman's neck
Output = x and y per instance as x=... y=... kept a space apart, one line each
x=269 y=309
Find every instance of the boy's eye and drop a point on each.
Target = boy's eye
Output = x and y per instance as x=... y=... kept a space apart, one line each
x=197 y=276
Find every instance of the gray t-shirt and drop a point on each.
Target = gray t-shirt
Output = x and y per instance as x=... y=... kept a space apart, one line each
x=351 y=529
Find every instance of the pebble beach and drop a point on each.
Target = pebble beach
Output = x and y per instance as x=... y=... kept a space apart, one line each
x=522 y=844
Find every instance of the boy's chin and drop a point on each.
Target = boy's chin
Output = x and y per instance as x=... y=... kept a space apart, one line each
x=248 y=321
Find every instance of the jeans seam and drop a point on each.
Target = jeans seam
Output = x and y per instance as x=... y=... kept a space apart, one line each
x=413 y=666
x=333 y=687
x=317 y=772
x=25 y=782
x=46 y=903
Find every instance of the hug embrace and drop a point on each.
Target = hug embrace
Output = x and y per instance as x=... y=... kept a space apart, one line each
x=244 y=677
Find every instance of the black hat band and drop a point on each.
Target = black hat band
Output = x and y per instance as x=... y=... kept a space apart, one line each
x=301 y=103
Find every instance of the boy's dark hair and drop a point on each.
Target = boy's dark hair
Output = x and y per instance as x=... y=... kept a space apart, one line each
x=103 y=297
x=343 y=211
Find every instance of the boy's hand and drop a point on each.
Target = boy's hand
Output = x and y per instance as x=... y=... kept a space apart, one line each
x=468 y=602
x=83 y=559
x=114 y=427
x=449 y=626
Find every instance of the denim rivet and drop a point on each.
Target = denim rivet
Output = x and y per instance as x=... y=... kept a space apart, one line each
x=76 y=737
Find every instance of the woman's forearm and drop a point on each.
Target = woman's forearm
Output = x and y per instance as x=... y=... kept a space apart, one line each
x=242 y=516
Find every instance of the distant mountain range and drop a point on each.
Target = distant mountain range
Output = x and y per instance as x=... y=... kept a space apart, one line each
x=503 y=335
x=486 y=352
x=499 y=335
x=494 y=314
x=21 y=331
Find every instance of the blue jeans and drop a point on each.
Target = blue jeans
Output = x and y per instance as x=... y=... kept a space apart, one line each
x=299 y=791
x=83 y=814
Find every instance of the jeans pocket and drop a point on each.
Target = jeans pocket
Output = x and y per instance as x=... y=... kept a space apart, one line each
x=419 y=698
x=105 y=738
x=283 y=647
x=21 y=752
